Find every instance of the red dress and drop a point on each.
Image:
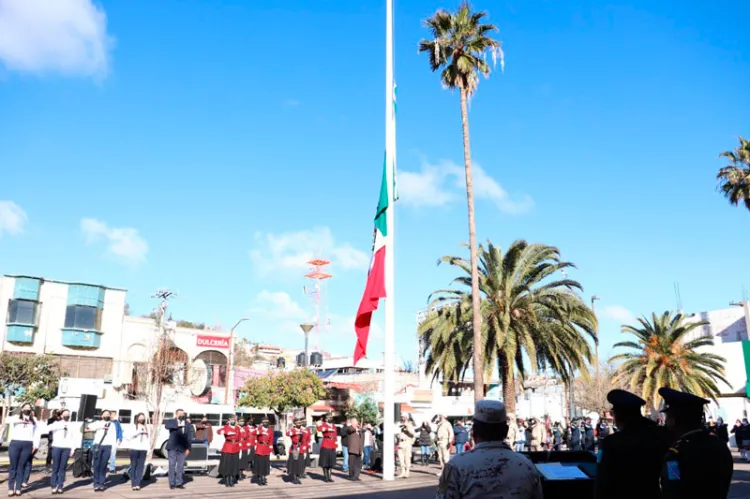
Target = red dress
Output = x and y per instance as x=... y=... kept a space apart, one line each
x=231 y=439
x=244 y=444
x=252 y=437
x=328 y=445
x=306 y=440
x=264 y=441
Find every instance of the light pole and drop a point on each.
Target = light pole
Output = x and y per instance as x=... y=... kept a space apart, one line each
x=306 y=328
x=230 y=360
x=596 y=345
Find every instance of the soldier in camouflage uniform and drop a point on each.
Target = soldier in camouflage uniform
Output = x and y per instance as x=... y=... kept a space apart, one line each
x=491 y=469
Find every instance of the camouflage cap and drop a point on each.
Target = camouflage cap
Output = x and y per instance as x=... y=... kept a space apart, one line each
x=490 y=412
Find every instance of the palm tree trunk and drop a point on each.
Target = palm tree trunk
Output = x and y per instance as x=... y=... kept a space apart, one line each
x=478 y=363
x=509 y=385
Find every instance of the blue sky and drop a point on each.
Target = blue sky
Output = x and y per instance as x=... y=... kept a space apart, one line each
x=213 y=147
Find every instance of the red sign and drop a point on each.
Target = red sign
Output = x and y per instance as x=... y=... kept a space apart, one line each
x=212 y=342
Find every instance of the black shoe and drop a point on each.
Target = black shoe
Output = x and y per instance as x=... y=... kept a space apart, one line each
x=180 y=486
x=171 y=487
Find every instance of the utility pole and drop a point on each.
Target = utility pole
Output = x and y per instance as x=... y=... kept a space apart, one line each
x=230 y=360
x=596 y=346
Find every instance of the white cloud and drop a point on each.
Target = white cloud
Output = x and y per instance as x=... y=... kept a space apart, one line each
x=277 y=313
x=12 y=218
x=63 y=36
x=292 y=251
x=125 y=244
x=444 y=183
x=618 y=313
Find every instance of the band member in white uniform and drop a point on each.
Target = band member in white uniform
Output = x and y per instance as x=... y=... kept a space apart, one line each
x=25 y=434
x=63 y=443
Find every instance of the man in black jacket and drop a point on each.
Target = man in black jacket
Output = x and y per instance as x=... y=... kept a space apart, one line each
x=178 y=447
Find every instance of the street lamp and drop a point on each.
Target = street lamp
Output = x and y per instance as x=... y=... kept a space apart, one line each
x=306 y=328
x=596 y=345
x=230 y=360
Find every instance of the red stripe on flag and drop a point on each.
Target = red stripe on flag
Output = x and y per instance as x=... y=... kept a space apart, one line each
x=374 y=291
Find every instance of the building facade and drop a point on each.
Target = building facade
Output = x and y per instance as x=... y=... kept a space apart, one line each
x=79 y=323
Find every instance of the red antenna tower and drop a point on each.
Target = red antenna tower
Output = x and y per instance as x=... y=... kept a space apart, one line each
x=318 y=273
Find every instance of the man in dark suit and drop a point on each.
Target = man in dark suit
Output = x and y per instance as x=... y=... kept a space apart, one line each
x=630 y=460
x=356 y=445
x=178 y=446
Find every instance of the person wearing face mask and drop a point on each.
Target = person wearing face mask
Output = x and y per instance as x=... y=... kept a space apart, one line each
x=25 y=437
x=327 y=447
x=63 y=442
x=139 y=443
x=54 y=417
x=105 y=438
x=178 y=447
x=264 y=443
x=229 y=464
x=204 y=432
x=295 y=465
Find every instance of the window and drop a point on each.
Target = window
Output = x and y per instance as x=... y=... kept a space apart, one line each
x=83 y=317
x=124 y=415
x=23 y=312
x=214 y=419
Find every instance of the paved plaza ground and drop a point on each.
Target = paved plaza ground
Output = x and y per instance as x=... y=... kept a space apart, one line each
x=421 y=485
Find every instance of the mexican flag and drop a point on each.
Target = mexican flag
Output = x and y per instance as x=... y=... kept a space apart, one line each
x=375 y=288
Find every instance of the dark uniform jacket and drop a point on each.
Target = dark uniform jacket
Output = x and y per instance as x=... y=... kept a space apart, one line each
x=630 y=462
x=697 y=465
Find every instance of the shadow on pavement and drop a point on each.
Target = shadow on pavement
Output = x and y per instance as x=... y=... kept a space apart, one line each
x=413 y=493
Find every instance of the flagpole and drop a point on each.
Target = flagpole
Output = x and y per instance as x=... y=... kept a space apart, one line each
x=389 y=378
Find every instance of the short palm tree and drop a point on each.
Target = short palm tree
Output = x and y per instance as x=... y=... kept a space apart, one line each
x=734 y=179
x=665 y=353
x=460 y=42
x=528 y=315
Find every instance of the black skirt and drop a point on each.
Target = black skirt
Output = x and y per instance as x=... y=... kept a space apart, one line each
x=229 y=465
x=244 y=460
x=295 y=466
x=252 y=457
x=327 y=458
x=262 y=465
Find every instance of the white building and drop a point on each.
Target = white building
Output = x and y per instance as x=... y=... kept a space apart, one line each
x=728 y=327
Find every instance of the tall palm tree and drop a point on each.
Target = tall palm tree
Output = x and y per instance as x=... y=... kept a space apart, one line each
x=460 y=42
x=665 y=353
x=734 y=179
x=527 y=313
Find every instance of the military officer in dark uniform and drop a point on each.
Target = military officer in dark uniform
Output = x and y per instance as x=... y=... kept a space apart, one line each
x=629 y=461
x=697 y=464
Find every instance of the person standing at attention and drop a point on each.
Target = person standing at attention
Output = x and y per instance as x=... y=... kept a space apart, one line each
x=25 y=435
x=229 y=463
x=697 y=464
x=54 y=417
x=629 y=460
x=356 y=448
x=178 y=447
x=327 y=447
x=204 y=432
x=105 y=437
x=344 y=434
x=492 y=469
x=461 y=437
x=263 y=445
x=62 y=444
x=425 y=443
x=368 y=445
x=444 y=436
x=139 y=444
x=405 y=439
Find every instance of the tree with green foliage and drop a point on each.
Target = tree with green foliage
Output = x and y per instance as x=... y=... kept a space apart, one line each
x=664 y=355
x=27 y=378
x=531 y=314
x=280 y=391
x=459 y=46
x=734 y=179
x=365 y=409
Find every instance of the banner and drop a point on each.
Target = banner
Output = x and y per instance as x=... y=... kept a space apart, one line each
x=212 y=341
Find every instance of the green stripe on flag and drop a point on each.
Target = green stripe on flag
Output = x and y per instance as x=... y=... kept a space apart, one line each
x=746 y=352
x=380 y=218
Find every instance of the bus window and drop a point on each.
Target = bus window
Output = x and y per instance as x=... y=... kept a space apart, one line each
x=125 y=415
x=214 y=419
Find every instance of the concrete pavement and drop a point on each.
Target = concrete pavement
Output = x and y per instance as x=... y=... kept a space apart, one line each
x=421 y=485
